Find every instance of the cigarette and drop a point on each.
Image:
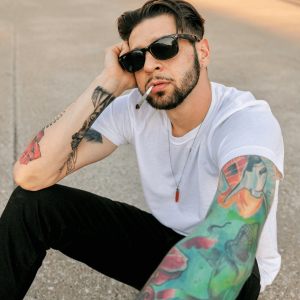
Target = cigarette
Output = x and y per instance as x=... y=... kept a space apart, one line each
x=138 y=106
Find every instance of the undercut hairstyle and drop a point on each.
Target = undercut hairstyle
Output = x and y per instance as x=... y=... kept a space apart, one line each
x=187 y=18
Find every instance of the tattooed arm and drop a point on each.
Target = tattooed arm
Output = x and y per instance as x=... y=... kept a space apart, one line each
x=60 y=147
x=215 y=260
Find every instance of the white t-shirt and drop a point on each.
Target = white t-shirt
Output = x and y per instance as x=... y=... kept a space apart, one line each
x=236 y=124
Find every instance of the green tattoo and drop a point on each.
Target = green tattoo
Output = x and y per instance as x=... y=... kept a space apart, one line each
x=215 y=260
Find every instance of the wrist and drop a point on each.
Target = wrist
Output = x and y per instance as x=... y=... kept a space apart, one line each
x=110 y=84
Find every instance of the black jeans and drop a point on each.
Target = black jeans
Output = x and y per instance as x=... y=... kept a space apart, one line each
x=116 y=239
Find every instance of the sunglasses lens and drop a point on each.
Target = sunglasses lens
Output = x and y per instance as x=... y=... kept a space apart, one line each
x=134 y=61
x=164 y=48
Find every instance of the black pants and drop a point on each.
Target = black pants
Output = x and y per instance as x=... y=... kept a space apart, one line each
x=116 y=239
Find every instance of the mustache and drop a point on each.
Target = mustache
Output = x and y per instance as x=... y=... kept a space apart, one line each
x=169 y=79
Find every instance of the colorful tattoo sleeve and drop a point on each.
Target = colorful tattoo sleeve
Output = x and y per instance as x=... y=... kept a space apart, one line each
x=215 y=260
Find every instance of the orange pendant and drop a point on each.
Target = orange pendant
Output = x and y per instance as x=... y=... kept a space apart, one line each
x=177 y=195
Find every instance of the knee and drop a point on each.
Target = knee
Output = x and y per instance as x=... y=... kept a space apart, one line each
x=21 y=198
x=34 y=210
x=25 y=215
x=20 y=209
x=29 y=203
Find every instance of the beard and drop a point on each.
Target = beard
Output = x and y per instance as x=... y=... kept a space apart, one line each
x=188 y=82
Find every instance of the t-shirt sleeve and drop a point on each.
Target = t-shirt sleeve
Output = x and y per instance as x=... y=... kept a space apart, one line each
x=251 y=131
x=115 y=122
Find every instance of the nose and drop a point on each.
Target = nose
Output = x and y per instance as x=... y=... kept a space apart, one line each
x=151 y=63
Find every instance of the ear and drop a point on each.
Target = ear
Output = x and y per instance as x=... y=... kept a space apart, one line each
x=203 y=50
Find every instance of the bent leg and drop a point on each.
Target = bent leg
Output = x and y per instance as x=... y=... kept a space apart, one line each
x=114 y=238
x=22 y=248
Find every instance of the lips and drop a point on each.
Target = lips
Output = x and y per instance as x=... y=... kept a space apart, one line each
x=158 y=86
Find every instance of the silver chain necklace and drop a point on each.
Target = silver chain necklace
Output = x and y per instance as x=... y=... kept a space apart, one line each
x=177 y=185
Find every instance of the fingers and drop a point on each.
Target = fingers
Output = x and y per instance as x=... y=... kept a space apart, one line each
x=121 y=48
x=113 y=68
x=125 y=48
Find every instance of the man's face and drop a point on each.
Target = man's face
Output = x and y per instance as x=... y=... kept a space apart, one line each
x=174 y=78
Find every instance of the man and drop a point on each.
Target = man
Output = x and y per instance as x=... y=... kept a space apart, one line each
x=210 y=158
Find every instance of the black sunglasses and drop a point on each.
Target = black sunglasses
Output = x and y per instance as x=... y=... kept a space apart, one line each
x=162 y=49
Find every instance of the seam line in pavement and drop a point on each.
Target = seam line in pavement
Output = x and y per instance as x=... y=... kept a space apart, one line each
x=14 y=78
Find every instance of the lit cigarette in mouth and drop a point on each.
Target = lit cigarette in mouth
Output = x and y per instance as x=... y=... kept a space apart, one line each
x=138 y=106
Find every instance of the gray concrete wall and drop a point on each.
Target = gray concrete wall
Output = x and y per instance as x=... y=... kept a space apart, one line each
x=50 y=51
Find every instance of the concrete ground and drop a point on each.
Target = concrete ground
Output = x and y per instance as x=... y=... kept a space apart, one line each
x=50 y=51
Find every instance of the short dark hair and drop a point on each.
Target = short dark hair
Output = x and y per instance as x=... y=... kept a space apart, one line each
x=187 y=18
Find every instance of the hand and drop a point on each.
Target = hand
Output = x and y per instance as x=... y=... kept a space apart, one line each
x=113 y=70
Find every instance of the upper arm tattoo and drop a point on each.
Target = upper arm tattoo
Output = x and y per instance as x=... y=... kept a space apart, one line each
x=93 y=136
x=215 y=260
x=243 y=181
x=101 y=99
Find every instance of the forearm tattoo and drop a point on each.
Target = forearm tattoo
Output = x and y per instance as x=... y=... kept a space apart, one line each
x=216 y=259
x=33 y=151
x=54 y=120
x=101 y=99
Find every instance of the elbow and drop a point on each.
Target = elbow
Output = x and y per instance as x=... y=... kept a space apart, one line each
x=27 y=180
x=26 y=183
